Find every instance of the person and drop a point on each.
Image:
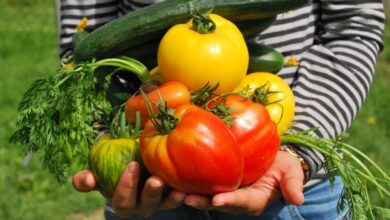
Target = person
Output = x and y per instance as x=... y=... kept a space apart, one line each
x=334 y=44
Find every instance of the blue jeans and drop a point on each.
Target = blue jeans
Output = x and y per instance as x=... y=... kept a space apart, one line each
x=320 y=204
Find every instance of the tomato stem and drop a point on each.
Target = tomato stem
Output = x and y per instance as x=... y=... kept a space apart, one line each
x=202 y=23
x=200 y=96
x=262 y=95
x=164 y=119
x=120 y=129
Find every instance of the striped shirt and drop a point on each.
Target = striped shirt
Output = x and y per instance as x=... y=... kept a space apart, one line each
x=335 y=41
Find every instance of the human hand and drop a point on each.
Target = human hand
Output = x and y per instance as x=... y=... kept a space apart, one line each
x=126 y=201
x=285 y=178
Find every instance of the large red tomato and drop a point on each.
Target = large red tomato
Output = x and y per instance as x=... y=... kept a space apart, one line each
x=255 y=133
x=199 y=155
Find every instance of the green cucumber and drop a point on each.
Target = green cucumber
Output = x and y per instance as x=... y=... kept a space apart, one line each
x=263 y=58
x=78 y=37
x=151 y=22
x=252 y=28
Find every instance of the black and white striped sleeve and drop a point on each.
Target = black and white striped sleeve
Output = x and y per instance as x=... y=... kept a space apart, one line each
x=70 y=12
x=335 y=74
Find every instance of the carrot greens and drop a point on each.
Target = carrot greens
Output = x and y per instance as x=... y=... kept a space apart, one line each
x=56 y=113
x=355 y=169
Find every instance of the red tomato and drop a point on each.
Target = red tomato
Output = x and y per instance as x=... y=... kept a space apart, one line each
x=174 y=93
x=200 y=155
x=255 y=133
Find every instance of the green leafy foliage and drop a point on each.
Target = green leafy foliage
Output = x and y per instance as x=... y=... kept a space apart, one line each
x=355 y=169
x=28 y=51
x=56 y=115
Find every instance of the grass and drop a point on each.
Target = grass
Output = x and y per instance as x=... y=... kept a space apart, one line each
x=28 y=50
x=371 y=129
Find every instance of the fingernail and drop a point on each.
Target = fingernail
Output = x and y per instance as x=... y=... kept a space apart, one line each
x=155 y=183
x=132 y=168
x=89 y=180
x=192 y=204
x=218 y=203
x=179 y=198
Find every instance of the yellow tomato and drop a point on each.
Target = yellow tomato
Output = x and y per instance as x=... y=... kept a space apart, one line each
x=276 y=95
x=195 y=58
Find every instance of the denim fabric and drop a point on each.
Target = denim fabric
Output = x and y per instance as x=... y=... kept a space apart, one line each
x=320 y=204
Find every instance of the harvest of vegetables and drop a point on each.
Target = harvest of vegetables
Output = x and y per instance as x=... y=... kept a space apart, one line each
x=213 y=124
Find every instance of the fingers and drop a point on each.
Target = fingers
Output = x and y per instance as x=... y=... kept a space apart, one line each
x=151 y=196
x=291 y=184
x=128 y=202
x=243 y=201
x=84 y=181
x=198 y=201
x=125 y=196
x=173 y=200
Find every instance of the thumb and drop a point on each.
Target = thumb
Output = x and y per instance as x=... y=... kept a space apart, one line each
x=291 y=184
x=84 y=181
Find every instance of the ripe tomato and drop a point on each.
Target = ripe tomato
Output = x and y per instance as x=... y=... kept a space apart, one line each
x=194 y=58
x=255 y=133
x=279 y=98
x=200 y=155
x=174 y=93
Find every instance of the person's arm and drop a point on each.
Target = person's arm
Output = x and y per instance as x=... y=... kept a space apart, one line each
x=70 y=13
x=330 y=85
x=335 y=74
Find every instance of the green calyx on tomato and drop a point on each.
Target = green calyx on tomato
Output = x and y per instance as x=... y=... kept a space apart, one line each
x=202 y=23
x=263 y=95
x=161 y=116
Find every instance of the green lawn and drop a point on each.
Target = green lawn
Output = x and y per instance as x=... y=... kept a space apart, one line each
x=28 y=50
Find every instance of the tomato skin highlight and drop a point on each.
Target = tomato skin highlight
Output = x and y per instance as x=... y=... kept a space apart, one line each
x=255 y=133
x=174 y=93
x=194 y=58
x=200 y=155
x=281 y=103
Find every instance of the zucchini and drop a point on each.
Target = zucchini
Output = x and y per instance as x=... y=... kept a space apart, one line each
x=263 y=58
x=252 y=28
x=78 y=37
x=151 y=22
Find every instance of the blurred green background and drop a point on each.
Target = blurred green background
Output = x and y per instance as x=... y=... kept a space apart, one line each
x=28 y=51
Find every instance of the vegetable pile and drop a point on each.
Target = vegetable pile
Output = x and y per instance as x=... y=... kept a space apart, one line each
x=209 y=118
